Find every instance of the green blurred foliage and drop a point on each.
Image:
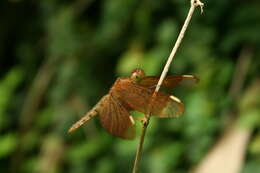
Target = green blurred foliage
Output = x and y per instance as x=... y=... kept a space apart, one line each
x=58 y=58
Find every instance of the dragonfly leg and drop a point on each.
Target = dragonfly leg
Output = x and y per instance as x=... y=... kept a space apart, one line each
x=143 y=120
x=139 y=118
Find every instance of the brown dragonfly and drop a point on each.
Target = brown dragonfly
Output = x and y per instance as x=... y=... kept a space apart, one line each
x=134 y=93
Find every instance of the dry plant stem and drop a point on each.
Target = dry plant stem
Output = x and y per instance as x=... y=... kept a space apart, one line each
x=30 y=107
x=241 y=68
x=194 y=4
x=232 y=144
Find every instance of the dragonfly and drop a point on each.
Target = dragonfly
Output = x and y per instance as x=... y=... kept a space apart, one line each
x=134 y=93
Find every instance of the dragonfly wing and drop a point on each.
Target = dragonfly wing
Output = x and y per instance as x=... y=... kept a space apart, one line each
x=115 y=118
x=172 y=107
x=138 y=98
x=170 y=81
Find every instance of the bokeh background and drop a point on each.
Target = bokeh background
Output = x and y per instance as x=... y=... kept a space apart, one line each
x=59 y=57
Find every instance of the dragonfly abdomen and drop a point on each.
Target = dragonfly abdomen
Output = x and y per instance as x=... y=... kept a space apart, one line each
x=84 y=119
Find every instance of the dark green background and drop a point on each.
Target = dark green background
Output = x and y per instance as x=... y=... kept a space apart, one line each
x=58 y=58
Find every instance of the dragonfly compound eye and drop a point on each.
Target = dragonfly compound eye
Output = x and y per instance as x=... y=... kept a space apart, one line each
x=137 y=75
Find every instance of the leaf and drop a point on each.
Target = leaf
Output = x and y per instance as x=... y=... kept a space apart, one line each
x=8 y=144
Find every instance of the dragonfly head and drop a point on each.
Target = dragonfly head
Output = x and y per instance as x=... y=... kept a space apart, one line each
x=137 y=75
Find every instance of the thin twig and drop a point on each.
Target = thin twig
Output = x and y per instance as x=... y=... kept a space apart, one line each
x=194 y=4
